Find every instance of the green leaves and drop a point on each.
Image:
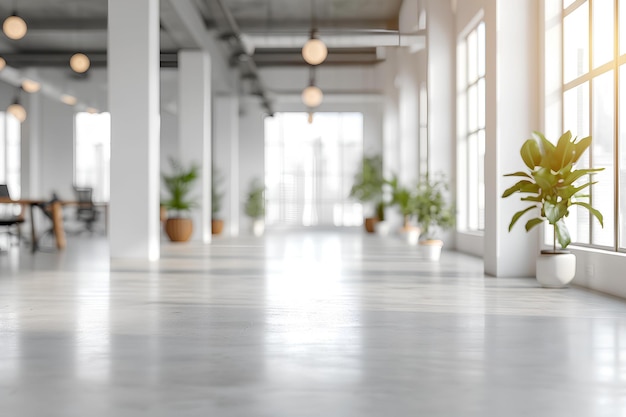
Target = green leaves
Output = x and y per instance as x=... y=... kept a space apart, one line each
x=552 y=182
x=531 y=155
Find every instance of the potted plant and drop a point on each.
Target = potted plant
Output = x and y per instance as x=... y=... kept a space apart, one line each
x=403 y=197
x=553 y=185
x=255 y=206
x=178 y=184
x=368 y=189
x=433 y=213
x=217 y=224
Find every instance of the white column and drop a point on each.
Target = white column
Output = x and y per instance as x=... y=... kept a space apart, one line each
x=226 y=158
x=513 y=95
x=194 y=128
x=133 y=72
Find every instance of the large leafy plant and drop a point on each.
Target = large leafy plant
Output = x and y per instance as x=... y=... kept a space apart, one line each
x=552 y=184
x=402 y=197
x=178 y=185
x=217 y=194
x=368 y=183
x=255 y=201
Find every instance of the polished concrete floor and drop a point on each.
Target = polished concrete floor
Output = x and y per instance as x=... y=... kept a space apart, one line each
x=317 y=324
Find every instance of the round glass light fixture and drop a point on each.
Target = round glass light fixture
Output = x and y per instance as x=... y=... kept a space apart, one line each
x=314 y=51
x=18 y=111
x=69 y=100
x=312 y=96
x=92 y=110
x=14 y=27
x=79 y=63
x=3 y=63
x=30 y=86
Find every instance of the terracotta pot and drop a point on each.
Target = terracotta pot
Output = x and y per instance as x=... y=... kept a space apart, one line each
x=178 y=229
x=217 y=226
x=370 y=223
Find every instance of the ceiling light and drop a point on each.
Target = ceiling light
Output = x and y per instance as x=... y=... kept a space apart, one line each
x=312 y=96
x=31 y=86
x=17 y=110
x=69 y=100
x=79 y=63
x=14 y=27
x=3 y=63
x=92 y=110
x=314 y=51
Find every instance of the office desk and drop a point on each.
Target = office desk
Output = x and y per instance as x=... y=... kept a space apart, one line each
x=56 y=211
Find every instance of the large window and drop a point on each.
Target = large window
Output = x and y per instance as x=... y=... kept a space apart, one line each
x=471 y=129
x=592 y=92
x=93 y=153
x=309 y=169
x=10 y=154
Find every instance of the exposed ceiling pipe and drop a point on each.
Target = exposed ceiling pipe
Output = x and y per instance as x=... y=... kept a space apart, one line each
x=245 y=56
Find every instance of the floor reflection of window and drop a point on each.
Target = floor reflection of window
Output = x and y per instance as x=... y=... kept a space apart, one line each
x=309 y=169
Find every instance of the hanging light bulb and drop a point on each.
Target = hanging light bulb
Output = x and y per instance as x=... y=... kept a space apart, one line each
x=312 y=96
x=310 y=117
x=3 y=63
x=14 y=27
x=314 y=51
x=69 y=99
x=17 y=110
x=80 y=63
x=30 y=86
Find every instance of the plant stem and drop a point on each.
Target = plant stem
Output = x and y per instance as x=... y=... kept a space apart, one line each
x=554 y=238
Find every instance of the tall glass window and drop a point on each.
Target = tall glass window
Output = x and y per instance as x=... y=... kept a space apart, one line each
x=471 y=125
x=309 y=169
x=92 y=154
x=593 y=100
x=10 y=154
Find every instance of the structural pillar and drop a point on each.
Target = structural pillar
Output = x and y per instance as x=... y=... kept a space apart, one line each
x=512 y=75
x=194 y=127
x=133 y=75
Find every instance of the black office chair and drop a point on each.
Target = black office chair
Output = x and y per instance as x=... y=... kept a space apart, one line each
x=11 y=215
x=86 y=212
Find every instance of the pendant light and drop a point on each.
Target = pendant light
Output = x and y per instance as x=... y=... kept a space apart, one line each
x=16 y=109
x=80 y=63
x=312 y=95
x=3 y=63
x=314 y=50
x=30 y=86
x=14 y=27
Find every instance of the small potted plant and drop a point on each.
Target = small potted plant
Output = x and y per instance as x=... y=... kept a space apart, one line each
x=178 y=225
x=403 y=197
x=217 y=224
x=552 y=186
x=255 y=206
x=433 y=213
x=368 y=189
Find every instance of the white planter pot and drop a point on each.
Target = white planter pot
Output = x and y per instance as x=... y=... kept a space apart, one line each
x=556 y=270
x=411 y=235
x=382 y=228
x=258 y=227
x=430 y=249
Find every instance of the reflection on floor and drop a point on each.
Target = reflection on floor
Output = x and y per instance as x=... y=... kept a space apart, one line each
x=316 y=324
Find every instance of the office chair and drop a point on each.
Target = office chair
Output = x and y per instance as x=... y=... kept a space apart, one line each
x=86 y=211
x=10 y=218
